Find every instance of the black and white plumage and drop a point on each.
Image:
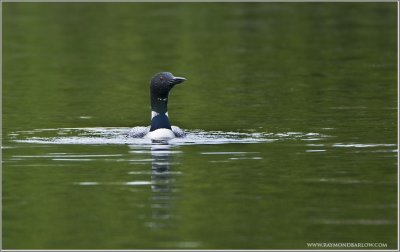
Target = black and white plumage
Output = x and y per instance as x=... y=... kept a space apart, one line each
x=141 y=131
x=160 y=128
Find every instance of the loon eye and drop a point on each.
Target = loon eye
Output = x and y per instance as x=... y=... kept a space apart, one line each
x=161 y=78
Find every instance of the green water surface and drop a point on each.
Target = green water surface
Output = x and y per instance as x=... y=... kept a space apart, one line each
x=317 y=69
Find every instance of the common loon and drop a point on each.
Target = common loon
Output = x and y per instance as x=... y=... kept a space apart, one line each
x=160 y=128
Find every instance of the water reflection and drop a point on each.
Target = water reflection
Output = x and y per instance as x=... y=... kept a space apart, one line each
x=161 y=186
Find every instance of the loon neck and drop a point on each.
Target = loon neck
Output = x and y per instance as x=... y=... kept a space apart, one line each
x=159 y=104
x=159 y=121
x=154 y=113
x=159 y=111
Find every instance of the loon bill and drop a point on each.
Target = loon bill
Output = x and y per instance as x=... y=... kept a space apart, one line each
x=160 y=128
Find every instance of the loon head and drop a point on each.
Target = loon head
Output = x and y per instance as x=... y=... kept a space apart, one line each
x=160 y=86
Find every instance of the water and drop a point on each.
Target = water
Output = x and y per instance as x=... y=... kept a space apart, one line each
x=290 y=111
x=122 y=136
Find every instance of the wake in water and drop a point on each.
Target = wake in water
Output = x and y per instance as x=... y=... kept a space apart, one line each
x=121 y=136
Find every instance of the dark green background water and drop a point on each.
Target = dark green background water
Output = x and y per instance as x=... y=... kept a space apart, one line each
x=324 y=68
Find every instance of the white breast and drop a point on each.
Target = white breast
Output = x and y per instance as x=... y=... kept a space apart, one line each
x=160 y=134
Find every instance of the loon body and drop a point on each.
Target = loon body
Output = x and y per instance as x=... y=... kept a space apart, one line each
x=160 y=128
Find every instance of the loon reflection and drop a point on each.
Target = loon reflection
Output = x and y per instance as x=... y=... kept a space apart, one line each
x=162 y=196
x=160 y=154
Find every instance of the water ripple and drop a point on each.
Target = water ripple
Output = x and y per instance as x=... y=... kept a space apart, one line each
x=356 y=145
x=103 y=136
